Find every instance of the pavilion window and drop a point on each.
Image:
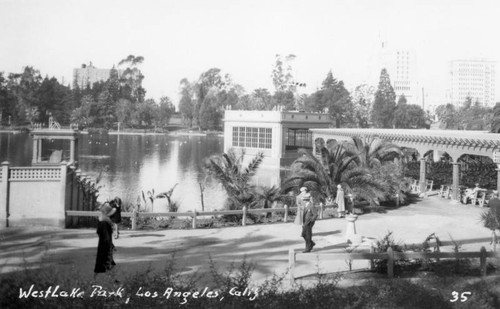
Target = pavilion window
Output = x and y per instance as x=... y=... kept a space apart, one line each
x=249 y=137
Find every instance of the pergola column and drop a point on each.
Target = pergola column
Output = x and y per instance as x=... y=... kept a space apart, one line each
x=35 y=151
x=72 y=150
x=39 y=151
x=456 y=180
x=422 y=175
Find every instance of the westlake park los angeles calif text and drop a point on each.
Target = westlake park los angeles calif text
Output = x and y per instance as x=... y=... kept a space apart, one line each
x=249 y=154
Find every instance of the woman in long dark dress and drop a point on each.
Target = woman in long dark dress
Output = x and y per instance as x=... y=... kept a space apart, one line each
x=104 y=260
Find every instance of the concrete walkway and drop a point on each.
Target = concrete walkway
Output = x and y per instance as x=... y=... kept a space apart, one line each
x=265 y=245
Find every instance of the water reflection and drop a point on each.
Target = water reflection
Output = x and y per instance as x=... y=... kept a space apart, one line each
x=134 y=163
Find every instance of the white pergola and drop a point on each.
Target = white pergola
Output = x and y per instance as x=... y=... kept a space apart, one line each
x=454 y=143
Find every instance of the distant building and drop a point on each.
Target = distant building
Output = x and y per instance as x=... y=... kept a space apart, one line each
x=404 y=76
x=401 y=64
x=87 y=75
x=474 y=78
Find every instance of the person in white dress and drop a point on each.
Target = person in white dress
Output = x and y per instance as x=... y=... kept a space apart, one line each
x=300 y=206
x=339 y=200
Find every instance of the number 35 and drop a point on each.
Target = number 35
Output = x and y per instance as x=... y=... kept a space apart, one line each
x=463 y=296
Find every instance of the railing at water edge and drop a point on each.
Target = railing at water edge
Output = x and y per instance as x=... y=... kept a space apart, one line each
x=194 y=214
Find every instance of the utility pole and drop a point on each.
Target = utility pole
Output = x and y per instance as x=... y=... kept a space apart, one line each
x=423 y=99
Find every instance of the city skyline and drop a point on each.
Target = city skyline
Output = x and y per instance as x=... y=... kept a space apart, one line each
x=184 y=39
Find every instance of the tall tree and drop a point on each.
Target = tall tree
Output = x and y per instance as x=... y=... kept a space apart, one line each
x=165 y=111
x=145 y=113
x=209 y=82
x=495 y=121
x=363 y=100
x=334 y=97
x=262 y=99
x=24 y=87
x=124 y=111
x=132 y=76
x=284 y=100
x=401 y=117
x=85 y=115
x=282 y=74
x=385 y=103
x=106 y=110
x=113 y=84
x=447 y=116
x=8 y=102
x=186 y=103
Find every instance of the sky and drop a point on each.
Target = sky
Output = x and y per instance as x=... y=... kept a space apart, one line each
x=184 y=38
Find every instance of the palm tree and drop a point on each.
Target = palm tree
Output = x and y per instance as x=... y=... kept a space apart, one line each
x=379 y=156
x=373 y=153
x=228 y=169
x=266 y=196
x=337 y=165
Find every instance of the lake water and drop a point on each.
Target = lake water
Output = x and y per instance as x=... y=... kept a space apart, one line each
x=134 y=163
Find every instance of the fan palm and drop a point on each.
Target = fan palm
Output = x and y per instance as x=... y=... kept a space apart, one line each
x=337 y=165
x=228 y=169
x=374 y=152
x=266 y=196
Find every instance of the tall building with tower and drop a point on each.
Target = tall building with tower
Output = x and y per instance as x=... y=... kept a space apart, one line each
x=474 y=78
x=87 y=75
x=401 y=64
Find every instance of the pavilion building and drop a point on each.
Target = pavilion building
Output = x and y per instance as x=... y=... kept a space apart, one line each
x=277 y=134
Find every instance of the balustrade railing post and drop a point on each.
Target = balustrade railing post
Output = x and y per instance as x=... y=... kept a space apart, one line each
x=244 y=219
x=285 y=217
x=194 y=219
x=4 y=194
x=62 y=198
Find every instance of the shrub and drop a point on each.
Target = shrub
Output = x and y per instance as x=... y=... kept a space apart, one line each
x=383 y=245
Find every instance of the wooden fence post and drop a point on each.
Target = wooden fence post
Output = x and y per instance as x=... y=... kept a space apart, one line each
x=285 y=217
x=194 y=219
x=291 y=265
x=320 y=211
x=244 y=219
x=390 y=263
x=482 y=260
x=371 y=264
x=134 y=219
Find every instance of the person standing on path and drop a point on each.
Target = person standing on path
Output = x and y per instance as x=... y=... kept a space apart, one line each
x=299 y=201
x=309 y=219
x=104 y=260
x=339 y=200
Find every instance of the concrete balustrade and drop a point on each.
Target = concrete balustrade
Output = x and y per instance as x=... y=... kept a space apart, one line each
x=38 y=195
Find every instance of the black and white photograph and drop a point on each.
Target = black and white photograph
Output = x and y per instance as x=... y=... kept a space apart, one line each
x=250 y=154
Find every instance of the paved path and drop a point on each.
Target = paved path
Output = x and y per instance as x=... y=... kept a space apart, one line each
x=265 y=245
